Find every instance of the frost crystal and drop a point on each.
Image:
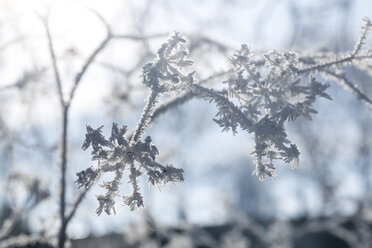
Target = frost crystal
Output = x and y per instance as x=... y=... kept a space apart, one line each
x=114 y=155
x=117 y=153
x=266 y=98
x=164 y=74
x=263 y=93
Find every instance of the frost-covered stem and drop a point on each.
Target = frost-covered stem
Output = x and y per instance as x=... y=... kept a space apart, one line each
x=63 y=165
x=13 y=41
x=88 y=62
x=54 y=61
x=350 y=86
x=65 y=106
x=349 y=58
x=91 y=58
x=326 y=65
x=66 y=219
x=78 y=200
x=145 y=117
x=185 y=97
x=365 y=29
x=138 y=37
x=244 y=122
x=63 y=168
x=135 y=200
x=172 y=104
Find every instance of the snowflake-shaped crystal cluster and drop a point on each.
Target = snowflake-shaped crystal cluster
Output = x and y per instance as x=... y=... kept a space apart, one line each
x=268 y=96
x=115 y=154
x=118 y=152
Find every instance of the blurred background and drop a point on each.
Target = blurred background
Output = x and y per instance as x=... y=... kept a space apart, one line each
x=220 y=203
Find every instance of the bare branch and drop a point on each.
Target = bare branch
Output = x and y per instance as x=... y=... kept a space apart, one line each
x=76 y=204
x=11 y=42
x=139 y=37
x=86 y=65
x=54 y=59
x=94 y=54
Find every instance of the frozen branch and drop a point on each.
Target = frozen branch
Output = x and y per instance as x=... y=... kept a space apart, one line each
x=344 y=81
x=52 y=54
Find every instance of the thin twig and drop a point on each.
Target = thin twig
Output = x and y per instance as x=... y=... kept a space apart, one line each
x=65 y=108
x=145 y=117
x=54 y=60
x=139 y=37
x=75 y=206
x=86 y=65
x=319 y=67
x=11 y=42
x=185 y=97
x=349 y=85
x=94 y=54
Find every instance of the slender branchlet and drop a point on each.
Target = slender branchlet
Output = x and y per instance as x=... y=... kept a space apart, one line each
x=145 y=117
x=344 y=81
x=363 y=36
